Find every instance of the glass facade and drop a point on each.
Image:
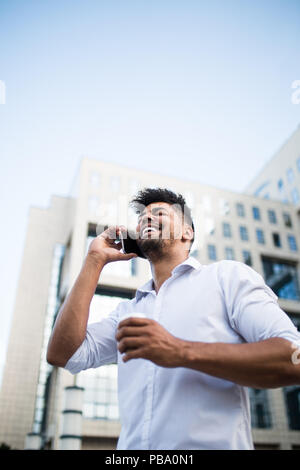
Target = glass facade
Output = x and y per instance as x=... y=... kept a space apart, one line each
x=282 y=278
x=100 y=393
x=292 y=394
x=45 y=368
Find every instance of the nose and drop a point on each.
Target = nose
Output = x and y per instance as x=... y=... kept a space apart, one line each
x=146 y=219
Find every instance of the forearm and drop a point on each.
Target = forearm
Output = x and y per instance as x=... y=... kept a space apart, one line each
x=71 y=323
x=264 y=364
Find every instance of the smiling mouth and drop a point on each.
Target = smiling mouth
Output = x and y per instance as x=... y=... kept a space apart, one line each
x=148 y=230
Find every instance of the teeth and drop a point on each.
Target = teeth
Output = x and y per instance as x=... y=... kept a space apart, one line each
x=149 y=229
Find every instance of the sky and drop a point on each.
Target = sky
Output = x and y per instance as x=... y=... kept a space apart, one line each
x=195 y=89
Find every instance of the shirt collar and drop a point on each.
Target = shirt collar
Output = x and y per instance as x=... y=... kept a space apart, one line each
x=190 y=262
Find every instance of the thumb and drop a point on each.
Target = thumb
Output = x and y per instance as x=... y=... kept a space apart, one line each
x=128 y=256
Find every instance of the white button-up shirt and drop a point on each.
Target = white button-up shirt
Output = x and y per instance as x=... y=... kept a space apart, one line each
x=181 y=408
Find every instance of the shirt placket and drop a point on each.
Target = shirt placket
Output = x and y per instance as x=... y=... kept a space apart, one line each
x=148 y=413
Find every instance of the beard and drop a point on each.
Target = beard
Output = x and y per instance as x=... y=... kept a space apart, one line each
x=152 y=248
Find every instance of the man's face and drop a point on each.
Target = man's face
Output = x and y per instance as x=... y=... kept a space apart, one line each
x=159 y=227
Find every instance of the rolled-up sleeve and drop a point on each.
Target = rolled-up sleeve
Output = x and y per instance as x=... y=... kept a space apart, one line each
x=252 y=307
x=99 y=346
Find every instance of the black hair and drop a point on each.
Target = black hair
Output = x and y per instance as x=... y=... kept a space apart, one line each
x=147 y=196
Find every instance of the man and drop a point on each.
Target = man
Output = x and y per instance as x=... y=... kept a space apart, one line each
x=208 y=333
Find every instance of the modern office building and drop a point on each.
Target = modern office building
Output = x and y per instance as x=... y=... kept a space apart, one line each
x=47 y=407
x=280 y=177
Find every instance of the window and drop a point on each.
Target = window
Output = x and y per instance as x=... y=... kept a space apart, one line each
x=244 y=233
x=287 y=219
x=226 y=230
x=94 y=179
x=229 y=253
x=281 y=277
x=224 y=207
x=258 y=191
x=272 y=216
x=93 y=206
x=260 y=236
x=209 y=226
x=280 y=185
x=194 y=253
x=260 y=410
x=134 y=267
x=292 y=243
x=276 y=240
x=292 y=401
x=296 y=320
x=295 y=195
x=212 y=253
x=247 y=257
x=240 y=209
x=256 y=213
x=290 y=175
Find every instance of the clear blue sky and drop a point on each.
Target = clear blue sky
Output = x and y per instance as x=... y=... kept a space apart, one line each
x=198 y=89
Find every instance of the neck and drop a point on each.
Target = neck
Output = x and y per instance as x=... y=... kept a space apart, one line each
x=162 y=268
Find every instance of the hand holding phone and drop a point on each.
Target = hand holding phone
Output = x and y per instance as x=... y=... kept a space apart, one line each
x=107 y=248
x=129 y=244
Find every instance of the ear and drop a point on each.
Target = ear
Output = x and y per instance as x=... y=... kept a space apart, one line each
x=187 y=232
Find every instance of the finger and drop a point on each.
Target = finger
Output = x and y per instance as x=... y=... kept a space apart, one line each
x=134 y=354
x=128 y=344
x=128 y=256
x=111 y=232
x=126 y=331
x=134 y=321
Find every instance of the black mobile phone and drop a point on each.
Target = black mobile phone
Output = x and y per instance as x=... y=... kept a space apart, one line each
x=129 y=245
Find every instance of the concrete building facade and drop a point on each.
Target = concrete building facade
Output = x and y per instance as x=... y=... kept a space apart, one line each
x=261 y=232
x=280 y=177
